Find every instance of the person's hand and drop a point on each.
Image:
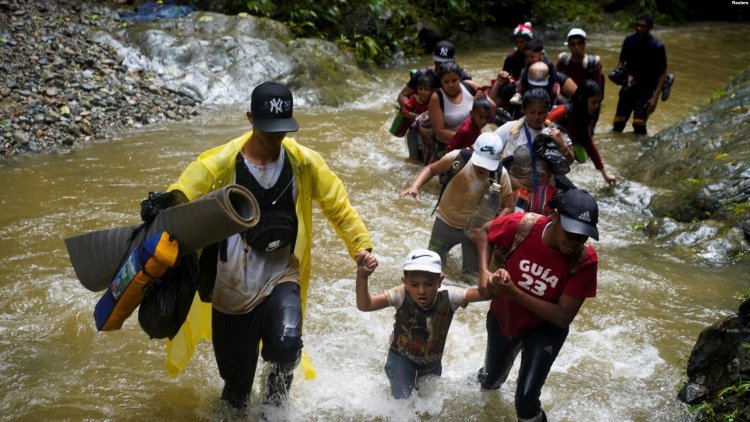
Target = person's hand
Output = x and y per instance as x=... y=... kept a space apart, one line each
x=480 y=93
x=366 y=262
x=609 y=178
x=556 y=136
x=650 y=105
x=410 y=191
x=503 y=75
x=471 y=234
x=500 y=283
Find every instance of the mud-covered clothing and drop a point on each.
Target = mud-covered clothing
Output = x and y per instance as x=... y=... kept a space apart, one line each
x=247 y=276
x=537 y=271
x=313 y=181
x=419 y=334
x=464 y=191
x=459 y=199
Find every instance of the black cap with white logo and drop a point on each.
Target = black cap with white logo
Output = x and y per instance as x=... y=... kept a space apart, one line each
x=271 y=104
x=443 y=52
x=579 y=212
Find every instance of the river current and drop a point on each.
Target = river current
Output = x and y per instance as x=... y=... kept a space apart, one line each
x=624 y=359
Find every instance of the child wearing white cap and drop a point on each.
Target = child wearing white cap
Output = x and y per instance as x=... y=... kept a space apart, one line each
x=424 y=311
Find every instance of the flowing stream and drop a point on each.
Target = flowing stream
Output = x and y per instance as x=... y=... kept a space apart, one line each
x=624 y=358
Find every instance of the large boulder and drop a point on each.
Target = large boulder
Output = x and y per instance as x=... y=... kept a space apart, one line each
x=701 y=166
x=720 y=359
x=218 y=59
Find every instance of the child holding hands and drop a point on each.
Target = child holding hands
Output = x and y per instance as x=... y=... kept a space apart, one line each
x=424 y=311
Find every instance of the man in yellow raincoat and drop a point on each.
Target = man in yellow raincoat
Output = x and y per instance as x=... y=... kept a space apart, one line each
x=262 y=274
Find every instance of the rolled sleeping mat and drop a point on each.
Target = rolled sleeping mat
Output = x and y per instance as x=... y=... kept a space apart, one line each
x=96 y=256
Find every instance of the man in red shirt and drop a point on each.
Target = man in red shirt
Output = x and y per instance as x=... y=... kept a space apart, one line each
x=544 y=282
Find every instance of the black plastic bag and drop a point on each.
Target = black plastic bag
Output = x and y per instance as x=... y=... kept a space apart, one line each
x=167 y=300
x=546 y=149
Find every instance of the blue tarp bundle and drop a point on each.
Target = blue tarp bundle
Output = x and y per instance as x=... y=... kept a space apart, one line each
x=151 y=11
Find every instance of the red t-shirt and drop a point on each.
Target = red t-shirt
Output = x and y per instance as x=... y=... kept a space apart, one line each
x=537 y=271
x=412 y=106
x=465 y=135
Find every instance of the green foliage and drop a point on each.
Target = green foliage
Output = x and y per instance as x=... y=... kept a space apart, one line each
x=730 y=404
x=692 y=183
x=718 y=94
x=743 y=296
x=568 y=11
x=373 y=30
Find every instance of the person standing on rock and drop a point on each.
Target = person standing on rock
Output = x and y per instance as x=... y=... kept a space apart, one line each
x=547 y=270
x=262 y=275
x=644 y=59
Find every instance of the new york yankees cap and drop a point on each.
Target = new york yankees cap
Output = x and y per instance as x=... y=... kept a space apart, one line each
x=423 y=260
x=271 y=104
x=443 y=52
x=488 y=149
x=579 y=212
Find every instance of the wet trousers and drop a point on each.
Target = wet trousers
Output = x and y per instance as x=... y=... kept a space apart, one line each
x=278 y=323
x=539 y=348
x=444 y=237
x=403 y=374
x=633 y=99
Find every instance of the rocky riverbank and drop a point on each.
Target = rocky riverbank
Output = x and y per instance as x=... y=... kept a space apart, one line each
x=60 y=89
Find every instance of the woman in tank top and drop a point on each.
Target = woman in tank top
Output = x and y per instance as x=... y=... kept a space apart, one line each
x=451 y=104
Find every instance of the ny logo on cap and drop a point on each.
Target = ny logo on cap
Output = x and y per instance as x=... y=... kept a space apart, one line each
x=279 y=105
x=444 y=51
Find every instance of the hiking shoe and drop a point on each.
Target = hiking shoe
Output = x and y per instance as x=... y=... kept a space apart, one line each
x=667 y=88
x=516 y=99
x=277 y=387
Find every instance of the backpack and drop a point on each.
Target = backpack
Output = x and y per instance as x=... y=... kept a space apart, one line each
x=591 y=61
x=500 y=254
x=456 y=166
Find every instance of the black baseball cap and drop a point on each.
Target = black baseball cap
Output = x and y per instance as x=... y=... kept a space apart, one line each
x=579 y=212
x=271 y=104
x=443 y=52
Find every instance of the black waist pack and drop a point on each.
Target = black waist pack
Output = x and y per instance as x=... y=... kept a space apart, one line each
x=276 y=229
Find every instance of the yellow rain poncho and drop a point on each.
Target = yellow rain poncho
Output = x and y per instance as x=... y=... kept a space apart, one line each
x=215 y=169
